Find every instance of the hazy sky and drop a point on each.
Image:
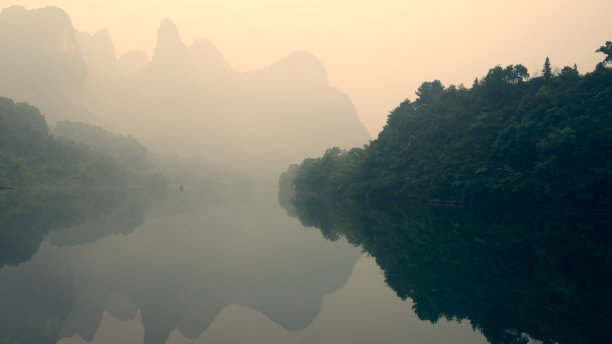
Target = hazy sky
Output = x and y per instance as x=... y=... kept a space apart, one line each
x=378 y=52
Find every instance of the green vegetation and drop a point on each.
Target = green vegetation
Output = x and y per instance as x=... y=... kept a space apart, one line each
x=508 y=139
x=31 y=156
x=543 y=275
x=126 y=150
x=606 y=49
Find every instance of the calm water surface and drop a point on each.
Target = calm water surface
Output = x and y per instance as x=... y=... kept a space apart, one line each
x=235 y=267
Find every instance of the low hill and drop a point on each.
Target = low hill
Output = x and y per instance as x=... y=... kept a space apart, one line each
x=508 y=139
x=31 y=156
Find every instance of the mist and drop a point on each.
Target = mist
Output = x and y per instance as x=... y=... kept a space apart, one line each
x=305 y=172
x=184 y=100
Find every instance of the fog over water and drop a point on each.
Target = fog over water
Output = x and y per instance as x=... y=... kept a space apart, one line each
x=158 y=187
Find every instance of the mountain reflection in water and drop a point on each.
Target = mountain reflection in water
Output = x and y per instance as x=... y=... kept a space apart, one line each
x=175 y=263
x=195 y=267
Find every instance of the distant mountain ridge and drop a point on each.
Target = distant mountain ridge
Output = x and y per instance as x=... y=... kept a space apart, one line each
x=186 y=100
x=41 y=62
x=195 y=103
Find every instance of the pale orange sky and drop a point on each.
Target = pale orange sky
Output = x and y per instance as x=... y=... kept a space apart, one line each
x=378 y=52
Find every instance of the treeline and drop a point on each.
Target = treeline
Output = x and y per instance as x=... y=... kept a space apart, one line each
x=125 y=149
x=508 y=138
x=30 y=155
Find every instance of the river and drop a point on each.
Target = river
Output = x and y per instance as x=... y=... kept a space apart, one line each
x=227 y=266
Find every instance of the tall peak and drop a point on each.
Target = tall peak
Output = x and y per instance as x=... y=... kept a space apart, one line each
x=168 y=35
x=301 y=65
x=169 y=47
x=99 y=53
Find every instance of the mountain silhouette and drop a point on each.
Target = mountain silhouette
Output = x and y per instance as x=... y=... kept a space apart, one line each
x=41 y=61
x=193 y=102
x=208 y=60
x=299 y=66
x=187 y=100
x=99 y=53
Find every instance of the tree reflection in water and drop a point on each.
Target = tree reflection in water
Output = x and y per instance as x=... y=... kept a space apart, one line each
x=515 y=276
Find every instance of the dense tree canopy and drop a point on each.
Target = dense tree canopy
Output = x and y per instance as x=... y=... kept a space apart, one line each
x=31 y=155
x=506 y=139
x=606 y=49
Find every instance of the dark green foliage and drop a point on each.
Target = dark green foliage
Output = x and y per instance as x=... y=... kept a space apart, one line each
x=31 y=156
x=546 y=70
x=512 y=275
x=606 y=50
x=507 y=139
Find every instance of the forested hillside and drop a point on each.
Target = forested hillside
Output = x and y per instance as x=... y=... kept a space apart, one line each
x=31 y=156
x=125 y=149
x=508 y=138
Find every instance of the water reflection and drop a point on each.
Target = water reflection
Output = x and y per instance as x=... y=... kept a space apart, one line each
x=177 y=262
x=36 y=297
x=71 y=216
x=516 y=277
x=364 y=311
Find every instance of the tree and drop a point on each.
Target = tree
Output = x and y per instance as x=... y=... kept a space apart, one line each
x=546 y=71
x=606 y=50
x=428 y=91
x=513 y=74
